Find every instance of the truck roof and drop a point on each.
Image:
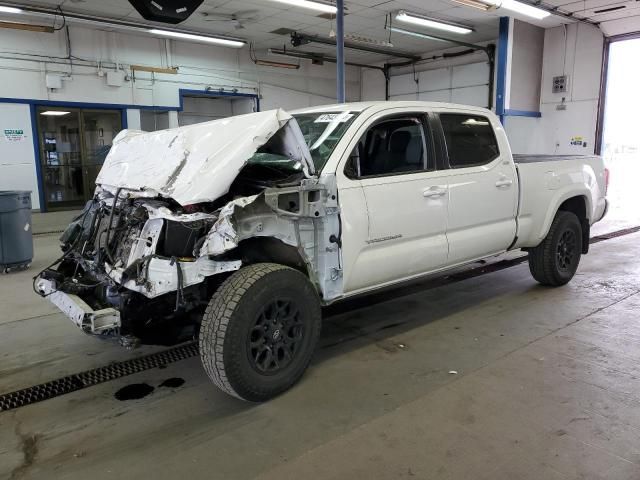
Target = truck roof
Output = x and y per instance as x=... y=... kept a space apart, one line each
x=384 y=104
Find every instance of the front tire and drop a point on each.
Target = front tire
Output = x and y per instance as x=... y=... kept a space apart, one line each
x=259 y=331
x=554 y=262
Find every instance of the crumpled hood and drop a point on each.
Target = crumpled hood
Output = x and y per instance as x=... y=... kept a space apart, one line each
x=197 y=163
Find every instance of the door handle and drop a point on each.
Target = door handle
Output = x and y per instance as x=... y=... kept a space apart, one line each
x=434 y=192
x=504 y=183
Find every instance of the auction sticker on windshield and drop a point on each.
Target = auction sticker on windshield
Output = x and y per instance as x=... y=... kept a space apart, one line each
x=330 y=117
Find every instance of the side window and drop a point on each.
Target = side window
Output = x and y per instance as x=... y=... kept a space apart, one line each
x=391 y=146
x=470 y=140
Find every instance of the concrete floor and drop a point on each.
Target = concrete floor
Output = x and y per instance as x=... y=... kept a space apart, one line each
x=52 y=221
x=547 y=386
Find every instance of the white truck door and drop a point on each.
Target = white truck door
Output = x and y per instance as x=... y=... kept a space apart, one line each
x=483 y=187
x=406 y=202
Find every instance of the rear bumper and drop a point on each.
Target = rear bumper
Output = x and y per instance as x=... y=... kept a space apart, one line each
x=83 y=316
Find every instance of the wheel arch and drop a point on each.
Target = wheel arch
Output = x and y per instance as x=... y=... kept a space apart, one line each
x=272 y=250
x=579 y=204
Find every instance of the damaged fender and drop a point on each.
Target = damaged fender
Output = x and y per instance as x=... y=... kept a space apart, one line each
x=301 y=216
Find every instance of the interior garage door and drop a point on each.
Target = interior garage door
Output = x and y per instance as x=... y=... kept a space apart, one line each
x=466 y=84
x=203 y=109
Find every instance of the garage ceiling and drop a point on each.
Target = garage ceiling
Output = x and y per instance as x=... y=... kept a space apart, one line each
x=614 y=17
x=257 y=20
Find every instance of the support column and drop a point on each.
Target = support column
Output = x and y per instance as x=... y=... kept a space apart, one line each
x=340 y=51
x=504 y=66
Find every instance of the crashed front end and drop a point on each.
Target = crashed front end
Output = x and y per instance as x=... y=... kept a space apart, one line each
x=127 y=268
x=174 y=214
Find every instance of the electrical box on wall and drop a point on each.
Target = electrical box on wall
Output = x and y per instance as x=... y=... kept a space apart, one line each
x=115 y=78
x=53 y=81
x=560 y=84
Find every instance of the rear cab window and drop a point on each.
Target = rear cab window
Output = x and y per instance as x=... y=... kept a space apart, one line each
x=470 y=140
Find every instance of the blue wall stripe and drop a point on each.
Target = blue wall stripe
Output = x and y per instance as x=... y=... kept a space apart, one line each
x=522 y=113
x=110 y=106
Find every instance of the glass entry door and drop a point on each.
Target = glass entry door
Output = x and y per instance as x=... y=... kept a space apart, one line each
x=73 y=146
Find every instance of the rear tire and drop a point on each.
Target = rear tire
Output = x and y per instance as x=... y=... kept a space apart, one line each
x=554 y=262
x=259 y=331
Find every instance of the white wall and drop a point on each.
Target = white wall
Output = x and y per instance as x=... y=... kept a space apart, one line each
x=577 y=52
x=527 y=49
x=17 y=168
x=27 y=57
x=199 y=66
x=461 y=79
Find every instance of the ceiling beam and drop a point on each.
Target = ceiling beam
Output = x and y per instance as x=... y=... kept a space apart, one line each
x=558 y=12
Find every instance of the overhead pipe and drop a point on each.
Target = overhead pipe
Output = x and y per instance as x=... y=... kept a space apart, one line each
x=319 y=57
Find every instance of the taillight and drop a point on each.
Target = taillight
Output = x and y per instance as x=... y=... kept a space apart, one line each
x=606 y=180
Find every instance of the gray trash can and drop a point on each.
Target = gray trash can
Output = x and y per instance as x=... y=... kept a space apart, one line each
x=16 y=241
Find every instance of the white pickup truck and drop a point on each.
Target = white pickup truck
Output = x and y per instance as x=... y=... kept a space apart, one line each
x=237 y=231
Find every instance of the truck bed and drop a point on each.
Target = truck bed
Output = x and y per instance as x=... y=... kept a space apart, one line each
x=546 y=181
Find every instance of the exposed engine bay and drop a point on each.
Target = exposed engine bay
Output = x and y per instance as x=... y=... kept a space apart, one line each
x=141 y=267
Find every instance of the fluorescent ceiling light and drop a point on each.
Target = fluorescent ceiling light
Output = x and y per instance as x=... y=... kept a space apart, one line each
x=10 y=10
x=475 y=4
x=524 y=9
x=513 y=5
x=428 y=22
x=199 y=38
x=415 y=34
x=317 y=6
x=54 y=113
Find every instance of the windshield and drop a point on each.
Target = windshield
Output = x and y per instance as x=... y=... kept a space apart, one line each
x=321 y=130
